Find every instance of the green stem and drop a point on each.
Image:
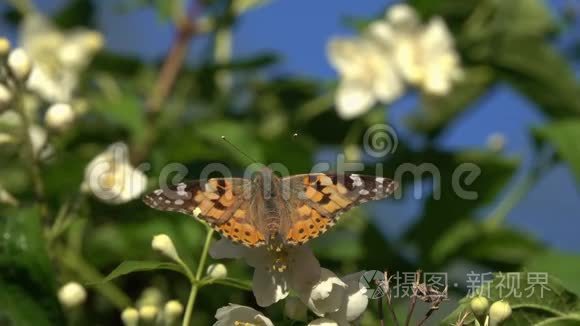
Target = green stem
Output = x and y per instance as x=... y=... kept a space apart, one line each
x=30 y=156
x=500 y=213
x=199 y=273
x=314 y=107
x=222 y=55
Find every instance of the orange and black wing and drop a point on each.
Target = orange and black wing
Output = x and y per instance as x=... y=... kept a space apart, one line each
x=221 y=202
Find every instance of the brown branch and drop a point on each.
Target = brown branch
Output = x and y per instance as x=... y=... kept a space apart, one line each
x=171 y=66
x=166 y=79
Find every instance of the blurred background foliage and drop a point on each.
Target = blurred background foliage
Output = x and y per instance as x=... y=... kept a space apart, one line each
x=500 y=43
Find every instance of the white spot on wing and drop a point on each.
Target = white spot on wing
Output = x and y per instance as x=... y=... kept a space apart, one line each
x=356 y=180
x=179 y=202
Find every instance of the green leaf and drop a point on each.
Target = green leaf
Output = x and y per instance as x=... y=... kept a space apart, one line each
x=533 y=306
x=125 y=110
x=27 y=282
x=132 y=266
x=76 y=13
x=442 y=213
x=564 y=135
x=566 y=267
x=472 y=240
x=539 y=72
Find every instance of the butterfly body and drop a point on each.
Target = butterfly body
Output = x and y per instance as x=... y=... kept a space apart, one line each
x=269 y=210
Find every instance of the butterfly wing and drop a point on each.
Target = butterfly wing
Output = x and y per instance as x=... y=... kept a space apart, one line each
x=318 y=199
x=221 y=202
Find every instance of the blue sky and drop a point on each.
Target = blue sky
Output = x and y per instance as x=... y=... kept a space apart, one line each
x=299 y=29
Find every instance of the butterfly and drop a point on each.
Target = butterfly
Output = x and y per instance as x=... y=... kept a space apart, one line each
x=269 y=210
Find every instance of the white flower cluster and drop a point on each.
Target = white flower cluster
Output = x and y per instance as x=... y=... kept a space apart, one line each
x=59 y=57
x=337 y=300
x=392 y=52
x=43 y=73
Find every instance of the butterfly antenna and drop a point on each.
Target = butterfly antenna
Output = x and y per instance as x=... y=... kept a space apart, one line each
x=238 y=150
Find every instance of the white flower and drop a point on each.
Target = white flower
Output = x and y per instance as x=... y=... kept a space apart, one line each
x=130 y=317
x=354 y=302
x=59 y=56
x=172 y=310
x=19 y=63
x=327 y=295
x=425 y=55
x=367 y=75
x=229 y=315
x=374 y=66
x=111 y=177
x=163 y=244
x=217 y=271
x=270 y=286
x=295 y=309
x=59 y=116
x=323 y=322
x=72 y=294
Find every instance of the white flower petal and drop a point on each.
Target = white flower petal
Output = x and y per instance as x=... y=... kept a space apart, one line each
x=355 y=301
x=403 y=17
x=381 y=32
x=347 y=56
x=269 y=287
x=228 y=315
x=436 y=37
x=353 y=99
x=225 y=249
x=327 y=295
x=303 y=269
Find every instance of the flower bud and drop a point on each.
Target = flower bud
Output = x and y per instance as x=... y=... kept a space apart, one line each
x=4 y=46
x=72 y=294
x=172 y=310
x=59 y=116
x=130 y=317
x=295 y=309
x=163 y=244
x=5 y=97
x=148 y=313
x=217 y=271
x=498 y=312
x=479 y=305
x=19 y=64
x=402 y=16
x=323 y=322
x=496 y=142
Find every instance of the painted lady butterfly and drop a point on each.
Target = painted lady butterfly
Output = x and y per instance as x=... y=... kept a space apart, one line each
x=268 y=209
